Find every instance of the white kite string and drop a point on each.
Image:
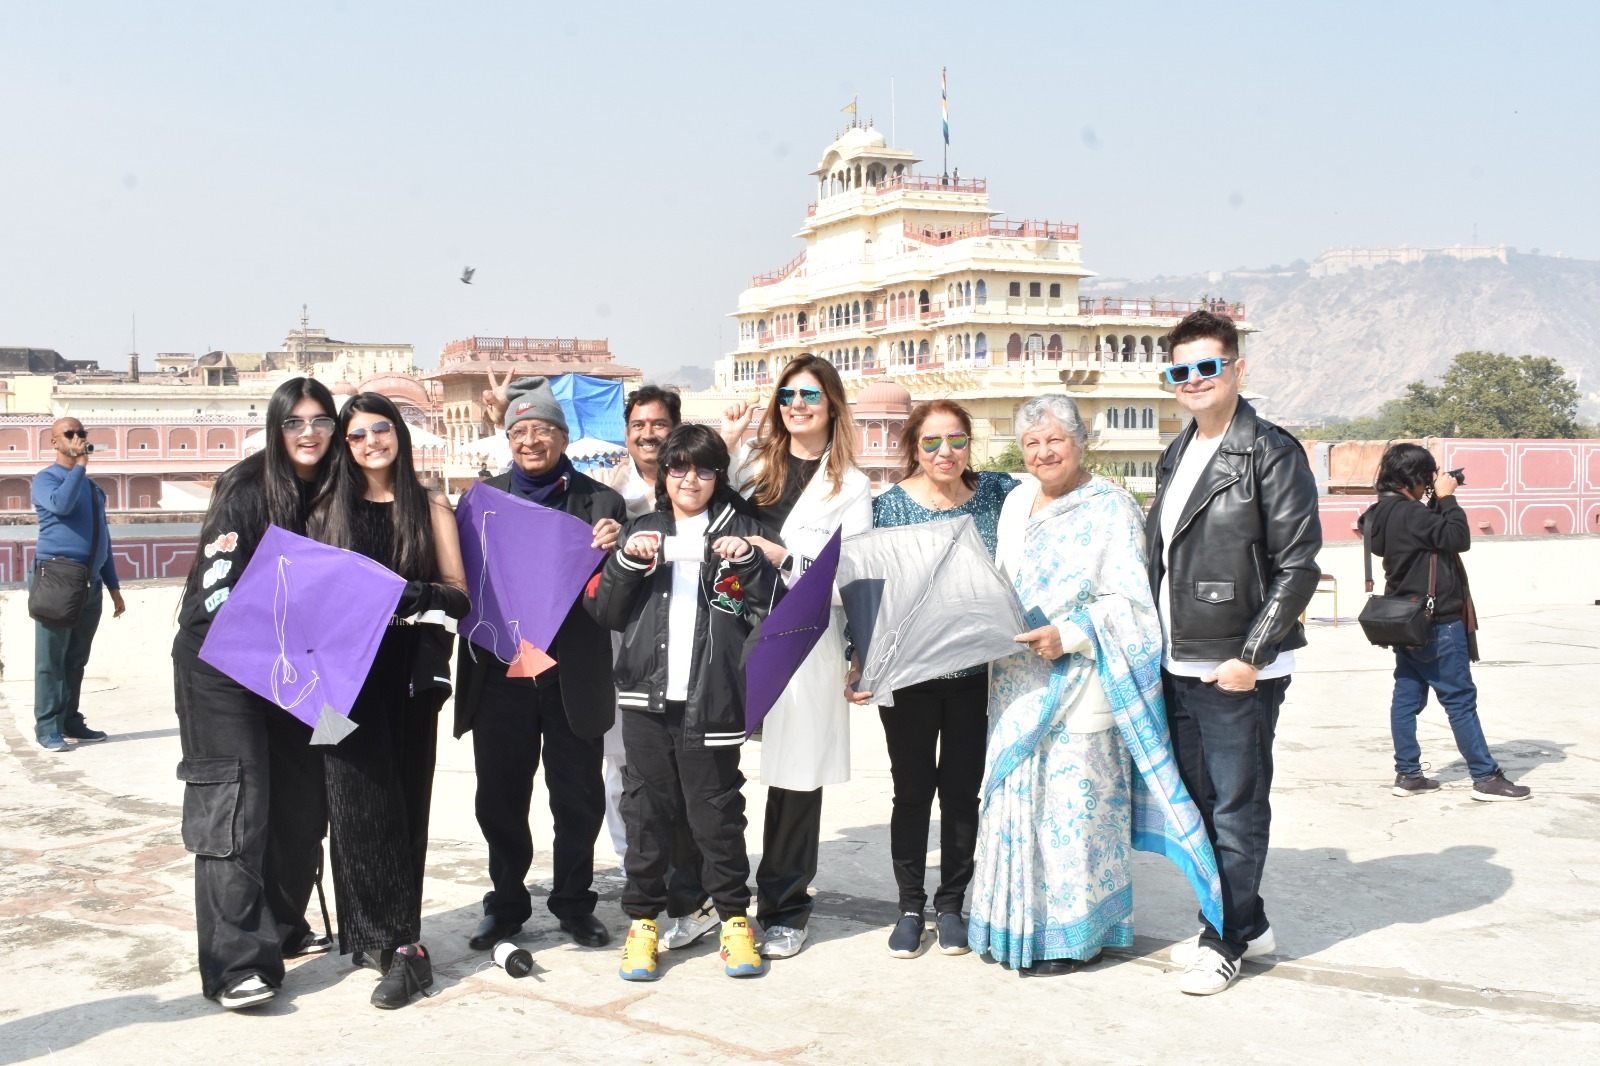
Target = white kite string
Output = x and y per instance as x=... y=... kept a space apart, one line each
x=282 y=668
x=483 y=580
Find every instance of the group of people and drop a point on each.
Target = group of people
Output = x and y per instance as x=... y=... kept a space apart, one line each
x=1138 y=712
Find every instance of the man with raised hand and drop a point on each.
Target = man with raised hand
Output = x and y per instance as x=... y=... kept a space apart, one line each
x=72 y=525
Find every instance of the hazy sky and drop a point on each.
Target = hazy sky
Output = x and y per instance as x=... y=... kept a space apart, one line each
x=621 y=170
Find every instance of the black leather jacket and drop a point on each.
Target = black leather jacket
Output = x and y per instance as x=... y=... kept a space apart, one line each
x=1244 y=556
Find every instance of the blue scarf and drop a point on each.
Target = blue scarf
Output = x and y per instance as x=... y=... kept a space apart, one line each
x=542 y=488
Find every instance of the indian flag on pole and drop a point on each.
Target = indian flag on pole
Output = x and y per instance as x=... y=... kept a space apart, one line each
x=944 y=103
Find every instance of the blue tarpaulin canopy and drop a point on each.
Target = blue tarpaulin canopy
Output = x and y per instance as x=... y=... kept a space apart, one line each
x=593 y=406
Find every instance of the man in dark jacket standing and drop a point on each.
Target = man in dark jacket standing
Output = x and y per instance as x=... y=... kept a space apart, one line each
x=1233 y=535
x=559 y=716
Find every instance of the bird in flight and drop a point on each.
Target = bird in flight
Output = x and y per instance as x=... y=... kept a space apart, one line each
x=466 y=275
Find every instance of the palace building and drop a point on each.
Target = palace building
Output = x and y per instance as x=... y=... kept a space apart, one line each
x=911 y=279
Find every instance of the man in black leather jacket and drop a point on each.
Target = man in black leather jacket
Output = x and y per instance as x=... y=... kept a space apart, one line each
x=1233 y=535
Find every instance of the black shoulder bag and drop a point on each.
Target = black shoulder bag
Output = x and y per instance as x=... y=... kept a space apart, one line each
x=1397 y=621
x=61 y=586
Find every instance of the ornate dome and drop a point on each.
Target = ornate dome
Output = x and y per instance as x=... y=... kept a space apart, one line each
x=343 y=388
x=883 y=398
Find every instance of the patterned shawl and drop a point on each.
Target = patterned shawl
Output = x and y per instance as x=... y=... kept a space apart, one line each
x=1084 y=562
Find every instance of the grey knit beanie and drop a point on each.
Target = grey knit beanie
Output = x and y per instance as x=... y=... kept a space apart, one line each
x=531 y=398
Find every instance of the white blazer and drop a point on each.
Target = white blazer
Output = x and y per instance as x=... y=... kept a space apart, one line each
x=805 y=740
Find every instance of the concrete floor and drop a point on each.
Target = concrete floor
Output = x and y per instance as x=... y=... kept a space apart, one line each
x=1433 y=928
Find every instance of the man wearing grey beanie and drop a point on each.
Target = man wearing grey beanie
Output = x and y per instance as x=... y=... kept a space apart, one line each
x=558 y=717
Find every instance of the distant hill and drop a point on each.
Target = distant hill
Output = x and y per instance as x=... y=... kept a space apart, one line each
x=1342 y=344
x=686 y=377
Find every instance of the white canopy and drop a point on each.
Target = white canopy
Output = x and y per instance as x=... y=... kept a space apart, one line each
x=593 y=448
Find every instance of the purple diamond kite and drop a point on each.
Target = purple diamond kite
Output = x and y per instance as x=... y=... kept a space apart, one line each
x=788 y=634
x=526 y=566
x=301 y=628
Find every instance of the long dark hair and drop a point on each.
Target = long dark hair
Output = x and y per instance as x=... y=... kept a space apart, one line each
x=911 y=437
x=334 y=519
x=264 y=486
x=773 y=448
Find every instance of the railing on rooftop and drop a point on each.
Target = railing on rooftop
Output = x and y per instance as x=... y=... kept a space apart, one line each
x=1119 y=307
x=772 y=277
x=457 y=351
x=992 y=227
x=913 y=183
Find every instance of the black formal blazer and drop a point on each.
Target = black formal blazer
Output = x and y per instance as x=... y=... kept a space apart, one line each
x=583 y=647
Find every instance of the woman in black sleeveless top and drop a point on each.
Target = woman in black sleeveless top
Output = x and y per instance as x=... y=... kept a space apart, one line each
x=380 y=777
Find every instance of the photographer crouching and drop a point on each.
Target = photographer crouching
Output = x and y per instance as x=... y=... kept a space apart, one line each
x=1420 y=531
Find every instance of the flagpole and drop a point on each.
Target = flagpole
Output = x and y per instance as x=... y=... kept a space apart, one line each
x=944 y=107
x=894 y=138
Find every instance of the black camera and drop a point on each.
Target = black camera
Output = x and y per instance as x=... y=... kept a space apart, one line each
x=1460 y=474
x=88 y=449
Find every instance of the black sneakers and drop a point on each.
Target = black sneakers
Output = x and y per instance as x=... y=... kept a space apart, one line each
x=909 y=934
x=1413 y=786
x=1496 y=787
x=953 y=934
x=410 y=972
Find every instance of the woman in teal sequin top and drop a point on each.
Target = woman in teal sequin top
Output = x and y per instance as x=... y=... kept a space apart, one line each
x=937 y=730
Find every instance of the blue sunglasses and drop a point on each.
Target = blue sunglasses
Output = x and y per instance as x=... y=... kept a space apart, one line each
x=1179 y=373
x=812 y=396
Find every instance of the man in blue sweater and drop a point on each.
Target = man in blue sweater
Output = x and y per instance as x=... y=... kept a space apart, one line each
x=70 y=506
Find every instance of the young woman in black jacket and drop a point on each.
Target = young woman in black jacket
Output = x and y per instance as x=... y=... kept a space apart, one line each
x=380 y=778
x=1415 y=536
x=686 y=587
x=253 y=812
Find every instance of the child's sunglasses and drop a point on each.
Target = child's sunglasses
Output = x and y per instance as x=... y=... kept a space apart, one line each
x=1179 y=373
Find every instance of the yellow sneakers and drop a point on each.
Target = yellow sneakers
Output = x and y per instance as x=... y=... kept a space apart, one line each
x=739 y=957
x=639 y=952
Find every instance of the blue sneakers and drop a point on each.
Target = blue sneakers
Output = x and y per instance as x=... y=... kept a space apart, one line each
x=53 y=742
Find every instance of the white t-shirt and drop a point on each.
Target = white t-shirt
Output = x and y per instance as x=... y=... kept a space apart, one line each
x=682 y=610
x=1192 y=465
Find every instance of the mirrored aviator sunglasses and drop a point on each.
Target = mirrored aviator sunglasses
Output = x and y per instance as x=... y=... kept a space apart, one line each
x=957 y=442
x=377 y=429
x=809 y=394
x=1179 y=373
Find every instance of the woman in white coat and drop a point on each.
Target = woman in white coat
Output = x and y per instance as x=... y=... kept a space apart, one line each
x=801 y=477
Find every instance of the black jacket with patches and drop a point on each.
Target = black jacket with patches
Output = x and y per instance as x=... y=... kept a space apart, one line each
x=734 y=596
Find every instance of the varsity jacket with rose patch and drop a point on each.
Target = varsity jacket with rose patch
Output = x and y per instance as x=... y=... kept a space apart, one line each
x=634 y=597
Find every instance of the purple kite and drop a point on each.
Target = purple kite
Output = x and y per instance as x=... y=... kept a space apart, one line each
x=788 y=634
x=302 y=627
x=526 y=566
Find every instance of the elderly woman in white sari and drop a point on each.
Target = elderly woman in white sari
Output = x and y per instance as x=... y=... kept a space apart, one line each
x=1078 y=769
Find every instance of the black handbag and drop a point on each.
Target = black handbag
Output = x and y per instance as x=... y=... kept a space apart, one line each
x=61 y=586
x=1397 y=621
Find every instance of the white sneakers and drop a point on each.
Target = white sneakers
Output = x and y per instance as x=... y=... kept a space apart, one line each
x=782 y=942
x=247 y=993
x=1183 y=954
x=689 y=928
x=1208 y=974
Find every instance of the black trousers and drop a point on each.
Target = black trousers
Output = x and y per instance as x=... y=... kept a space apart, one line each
x=1223 y=744
x=518 y=725
x=790 y=836
x=380 y=789
x=936 y=733
x=254 y=815
x=667 y=783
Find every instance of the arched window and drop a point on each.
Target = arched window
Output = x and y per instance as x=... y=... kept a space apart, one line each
x=1035 y=345
x=983 y=292
x=1145 y=349
x=1147 y=418
x=1055 y=346
x=1130 y=418
x=867 y=362
x=802 y=320
x=980 y=348
x=855 y=359
x=761 y=368
x=966 y=296
x=1147 y=470
x=1127 y=469
x=855 y=313
x=1014 y=348
x=1127 y=349
x=922 y=301
x=922 y=352
x=1111 y=418
x=868 y=309
x=761 y=328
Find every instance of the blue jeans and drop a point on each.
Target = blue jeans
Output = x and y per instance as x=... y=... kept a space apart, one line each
x=1443 y=665
x=60 y=654
x=1222 y=742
